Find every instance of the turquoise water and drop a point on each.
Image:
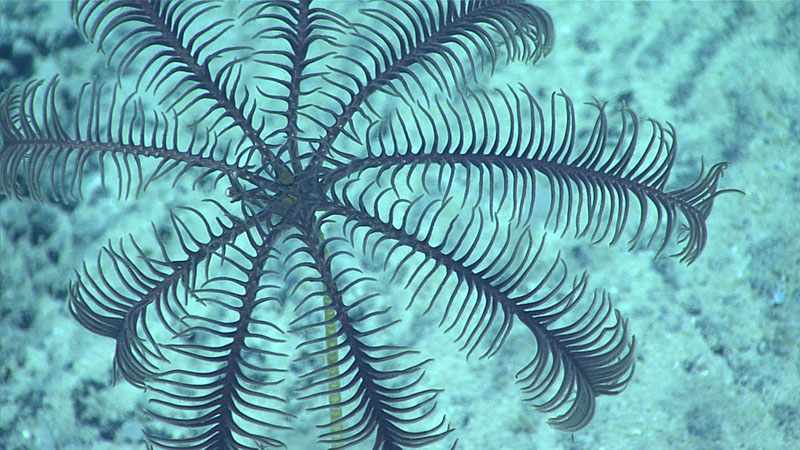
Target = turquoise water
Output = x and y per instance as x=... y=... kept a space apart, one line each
x=718 y=343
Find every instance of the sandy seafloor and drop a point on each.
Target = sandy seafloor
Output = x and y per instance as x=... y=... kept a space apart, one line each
x=718 y=343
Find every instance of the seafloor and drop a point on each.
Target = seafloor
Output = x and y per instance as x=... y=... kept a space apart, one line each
x=718 y=343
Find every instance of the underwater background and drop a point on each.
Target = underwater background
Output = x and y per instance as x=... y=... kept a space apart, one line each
x=718 y=343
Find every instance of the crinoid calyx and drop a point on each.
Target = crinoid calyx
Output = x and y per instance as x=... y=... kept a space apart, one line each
x=356 y=172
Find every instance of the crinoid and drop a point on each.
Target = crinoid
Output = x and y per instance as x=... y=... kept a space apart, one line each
x=355 y=174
